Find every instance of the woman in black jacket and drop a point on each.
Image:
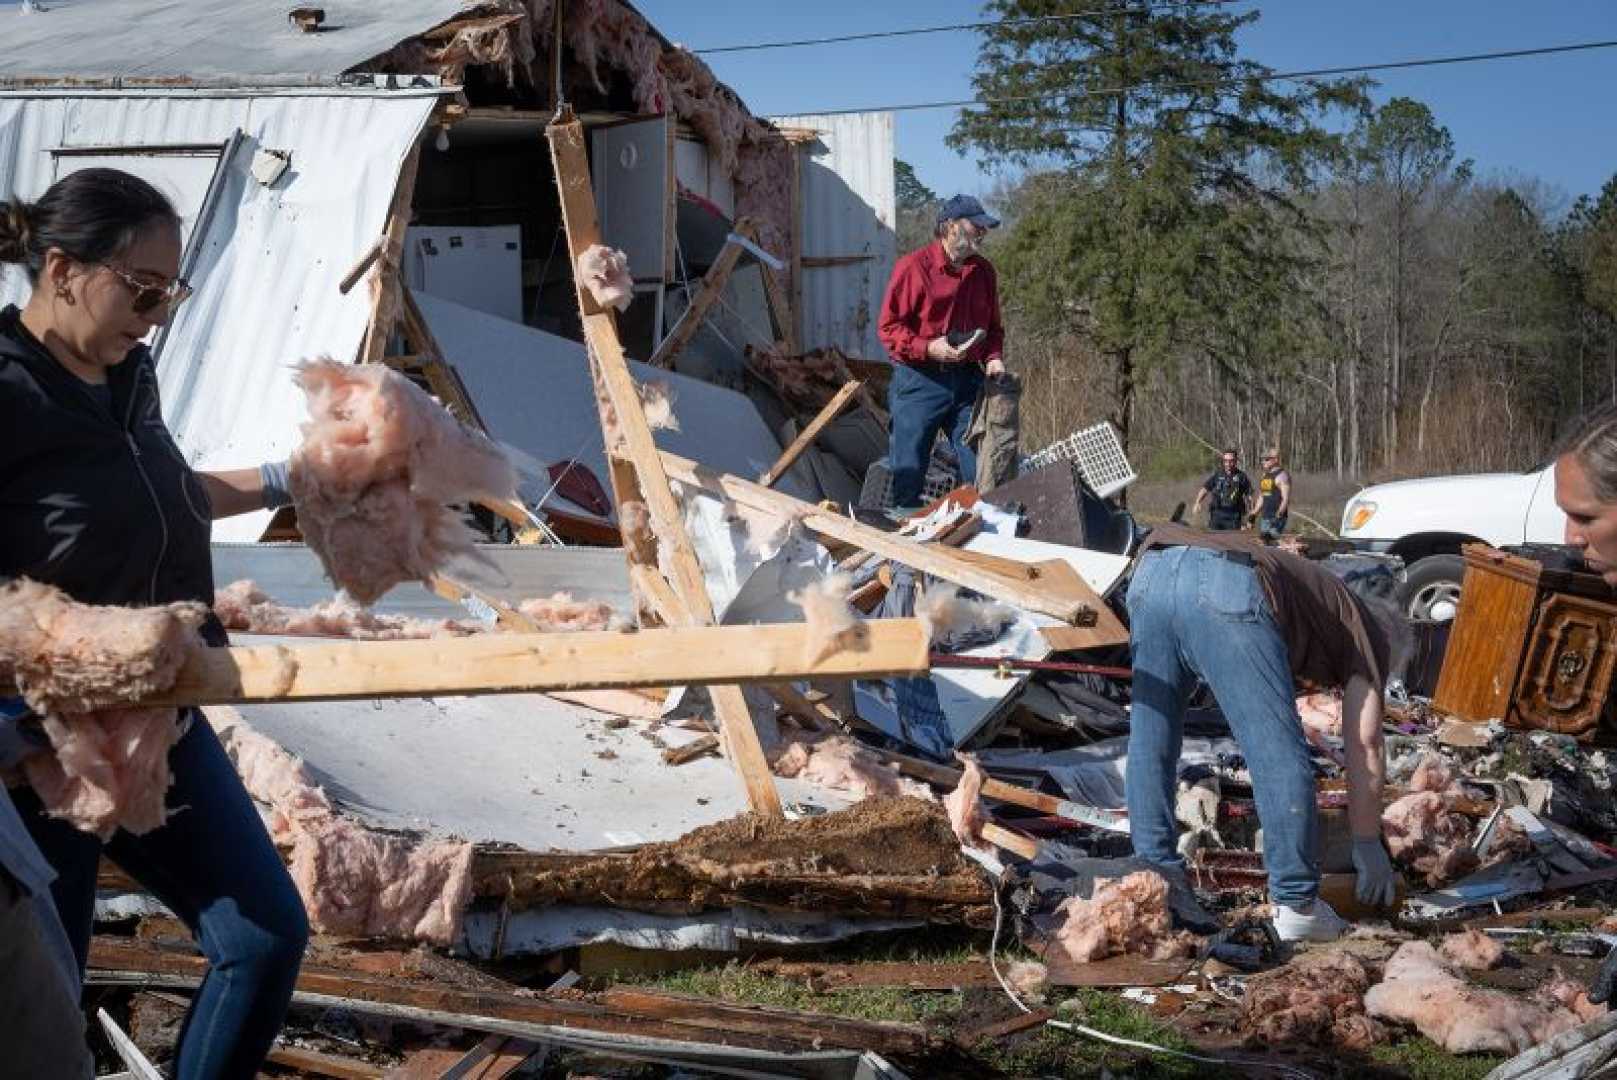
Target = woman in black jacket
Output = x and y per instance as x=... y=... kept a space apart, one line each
x=97 y=500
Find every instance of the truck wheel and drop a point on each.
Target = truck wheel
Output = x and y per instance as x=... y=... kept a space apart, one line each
x=1431 y=591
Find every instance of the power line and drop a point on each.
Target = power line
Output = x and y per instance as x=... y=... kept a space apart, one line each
x=1193 y=84
x=1144 y=9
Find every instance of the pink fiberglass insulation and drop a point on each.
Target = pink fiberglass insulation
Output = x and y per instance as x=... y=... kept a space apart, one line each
x=1472 y=949
x=1321 y=714
x=1562 y=991
x=964 y=804
x=1126 y=916
x=1426 y=836
x=833 y=624
x=379 y=464
x=1432 y=774
x=70 y=658
x=657 y=401
x=353 y=880
x=106 y=770
x=1316 y=999
x=763 y=186
x=243 y=606
x=634 y=522
x=604 y=272
x=948 y=614
x=1423 y=990
x=1029 y=979
x=843 y=764
x=562 y=614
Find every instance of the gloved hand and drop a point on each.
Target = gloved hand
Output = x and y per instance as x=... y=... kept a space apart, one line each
x=1600 y=987
x=1377 y=883
x=20 y=733
x=275 y=480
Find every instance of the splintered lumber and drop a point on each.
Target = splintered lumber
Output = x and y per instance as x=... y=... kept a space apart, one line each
x=806 y=437
x=519 y=663
x=383 y=304
x=935 y=560
x=610 y=369
x=948 y=777
x=1015 y=843
x=537 y=1015
x=679 y=755
x=711 y=290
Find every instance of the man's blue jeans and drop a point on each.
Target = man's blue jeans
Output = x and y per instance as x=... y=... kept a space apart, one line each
x=924 y=400
x=1195 y=614
x=213 y=865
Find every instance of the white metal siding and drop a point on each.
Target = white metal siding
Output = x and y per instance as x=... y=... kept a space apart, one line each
x=269 y=261
x=849 y=209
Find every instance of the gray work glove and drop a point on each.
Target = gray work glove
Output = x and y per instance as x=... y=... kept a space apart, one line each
x=275 y=478
x=1377 y=884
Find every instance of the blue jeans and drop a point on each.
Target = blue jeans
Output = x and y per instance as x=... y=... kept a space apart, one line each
x=924 y=400
x=1196 y=614
x=1271 y=528
x=213 y=865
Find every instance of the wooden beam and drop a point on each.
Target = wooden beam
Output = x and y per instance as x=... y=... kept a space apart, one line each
x=933 y=559
x=1015 y=843
x=945 y=776
x=799 y=153
x=679 y=755
x=318 y=1064
x=384 y=304
x=780 y=310
x=806 y=437
x=521 y=663
x=707 y=295
x=571 y=166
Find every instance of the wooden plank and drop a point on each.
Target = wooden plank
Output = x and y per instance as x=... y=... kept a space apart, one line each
x=707 y=295
x=1015 y=843
x=1020 y=1022
x=520 y=663
x=679 y=755
x=818 y=715
x=780 y=311
x=571 y=167
x=312 y=1061
x=1113 y=971
x=492 y=1064
x=119 y=961
x=384 y=304
x=806 y=437
x=938 y=561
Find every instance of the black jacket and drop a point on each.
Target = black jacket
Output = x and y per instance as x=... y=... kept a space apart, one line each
x=99 y=503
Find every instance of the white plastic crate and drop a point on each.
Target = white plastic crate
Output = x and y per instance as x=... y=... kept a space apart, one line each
x=1098 y=452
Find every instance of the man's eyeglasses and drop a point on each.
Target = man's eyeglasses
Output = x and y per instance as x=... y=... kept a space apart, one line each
x=146 y=297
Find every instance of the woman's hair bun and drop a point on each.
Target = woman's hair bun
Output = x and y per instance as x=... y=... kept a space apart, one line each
x=16 y=226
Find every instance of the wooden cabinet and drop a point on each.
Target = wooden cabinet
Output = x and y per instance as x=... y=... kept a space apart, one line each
x=1532 y=646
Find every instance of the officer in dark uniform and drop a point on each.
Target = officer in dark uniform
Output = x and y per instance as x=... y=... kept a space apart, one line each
x=1230 y=492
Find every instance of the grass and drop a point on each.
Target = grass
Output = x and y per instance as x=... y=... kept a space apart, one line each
x=739 y=983
x=1422 y=1059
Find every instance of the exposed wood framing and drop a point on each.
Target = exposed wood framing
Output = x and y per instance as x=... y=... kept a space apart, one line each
x=1015 y=843
x=639 y=458
x=384 y=305
x=806 y=437
x=933 y=559
x=517 y=663
x=799 y=151
x=706 y=296
x=780 y=309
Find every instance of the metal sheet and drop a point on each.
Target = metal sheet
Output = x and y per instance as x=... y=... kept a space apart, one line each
x=217 y=40
x=631 y=178
x=849 y=211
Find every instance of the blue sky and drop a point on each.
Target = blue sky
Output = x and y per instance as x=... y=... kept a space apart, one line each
x=1551 y=117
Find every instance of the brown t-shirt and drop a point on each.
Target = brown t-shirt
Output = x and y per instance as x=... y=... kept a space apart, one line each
x=1329 y=634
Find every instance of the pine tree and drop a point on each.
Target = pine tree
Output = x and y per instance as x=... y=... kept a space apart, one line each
x=1159 y=213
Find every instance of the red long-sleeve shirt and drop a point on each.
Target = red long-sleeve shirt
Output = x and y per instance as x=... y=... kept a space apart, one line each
x=928 y=297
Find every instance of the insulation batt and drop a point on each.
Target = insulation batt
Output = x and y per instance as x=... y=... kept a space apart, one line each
x=70 y=658
x=634 y=522
x=379 y=463
x=948 y=614
x=1424 y=990
x=1316 y=999
x=1028 y=978
x=1126 y=916
x=1473 y=949
x=843 y=764
x=243 y=606
x=1423 y=833
x=833 y=624
x=657 y=402
x=353 y=880
x=560 y=613
x=604 y=272
x=964 y=804
x=107 y=770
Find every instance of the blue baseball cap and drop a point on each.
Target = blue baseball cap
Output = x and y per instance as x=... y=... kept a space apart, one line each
x=967 y=206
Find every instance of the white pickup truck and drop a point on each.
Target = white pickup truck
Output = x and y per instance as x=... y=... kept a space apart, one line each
x=1424 y=522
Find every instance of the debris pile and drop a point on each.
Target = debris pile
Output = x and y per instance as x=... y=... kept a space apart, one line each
x=1315 y=1000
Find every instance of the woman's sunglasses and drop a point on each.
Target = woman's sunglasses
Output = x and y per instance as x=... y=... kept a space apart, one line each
x=146 y=297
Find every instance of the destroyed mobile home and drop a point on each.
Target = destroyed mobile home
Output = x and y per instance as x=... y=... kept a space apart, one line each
x=735 y=712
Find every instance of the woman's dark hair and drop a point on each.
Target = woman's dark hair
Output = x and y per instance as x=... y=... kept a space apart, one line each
x=93 y=215
x=1593 y=443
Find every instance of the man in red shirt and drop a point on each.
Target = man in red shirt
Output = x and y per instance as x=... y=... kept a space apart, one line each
x=940 y=324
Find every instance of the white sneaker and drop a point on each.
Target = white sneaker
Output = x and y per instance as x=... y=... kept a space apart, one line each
x=1318 y=922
